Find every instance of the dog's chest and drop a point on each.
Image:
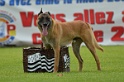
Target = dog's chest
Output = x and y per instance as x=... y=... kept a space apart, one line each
x=47 y=40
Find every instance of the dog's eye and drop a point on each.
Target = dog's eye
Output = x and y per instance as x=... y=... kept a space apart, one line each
x=48 y=18
x=42 y=18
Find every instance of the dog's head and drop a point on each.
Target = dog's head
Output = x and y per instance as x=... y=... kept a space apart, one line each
x=44 y=22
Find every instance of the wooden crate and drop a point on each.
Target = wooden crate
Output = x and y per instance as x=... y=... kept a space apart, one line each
x=42 y=60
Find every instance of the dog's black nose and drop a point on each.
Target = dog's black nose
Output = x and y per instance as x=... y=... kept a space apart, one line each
x=46 y=24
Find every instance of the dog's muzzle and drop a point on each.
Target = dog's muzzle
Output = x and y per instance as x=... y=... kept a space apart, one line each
x=45 y=27
x=46 y=24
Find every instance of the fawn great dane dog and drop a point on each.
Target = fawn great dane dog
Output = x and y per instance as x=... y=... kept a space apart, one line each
x=55 y=34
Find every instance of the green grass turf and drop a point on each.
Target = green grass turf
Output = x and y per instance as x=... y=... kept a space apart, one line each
x=112 y=64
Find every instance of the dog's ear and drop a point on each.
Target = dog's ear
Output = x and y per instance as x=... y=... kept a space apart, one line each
x=40 y=12
x=49 y=13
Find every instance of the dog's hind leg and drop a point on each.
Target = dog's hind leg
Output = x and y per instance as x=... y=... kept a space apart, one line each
x=76 y=49
x=91 y=46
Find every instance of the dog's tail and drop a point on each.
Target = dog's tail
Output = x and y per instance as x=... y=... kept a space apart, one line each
x=96 y=45
x=94 y=40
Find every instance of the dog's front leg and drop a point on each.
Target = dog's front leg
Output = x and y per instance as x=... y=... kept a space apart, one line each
x=57 y=56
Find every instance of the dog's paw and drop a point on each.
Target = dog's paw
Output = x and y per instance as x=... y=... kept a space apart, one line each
x=60 y=75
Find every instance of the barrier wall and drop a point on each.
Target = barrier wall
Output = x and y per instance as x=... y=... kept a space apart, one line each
x=18 y=19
